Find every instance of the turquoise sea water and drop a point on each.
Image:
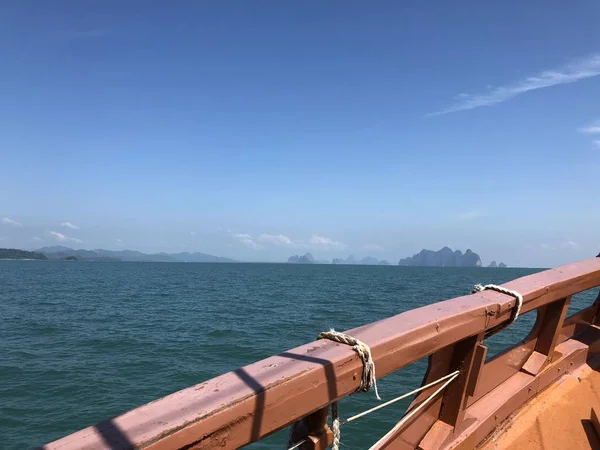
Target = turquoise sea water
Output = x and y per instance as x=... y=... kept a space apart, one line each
x=81 y=341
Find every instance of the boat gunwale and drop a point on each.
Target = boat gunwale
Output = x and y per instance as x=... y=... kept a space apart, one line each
x=252 y=402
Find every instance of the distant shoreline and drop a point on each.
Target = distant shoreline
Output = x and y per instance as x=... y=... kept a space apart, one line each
x=21 y=259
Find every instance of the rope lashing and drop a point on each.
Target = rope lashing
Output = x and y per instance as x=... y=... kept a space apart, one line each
x=367 y=381
x=503 y=290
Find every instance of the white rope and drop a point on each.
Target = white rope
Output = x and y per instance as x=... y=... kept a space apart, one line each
x=503 y=290
x=383 y=405
x=397 y=399
x=297 y=445
x=415 y=411
x=368 y=376
x=335 y=426
x=368 y=379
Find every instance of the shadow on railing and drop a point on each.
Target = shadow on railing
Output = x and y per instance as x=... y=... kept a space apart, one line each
x=110 y=436
x=113 y=436
x=260 y=391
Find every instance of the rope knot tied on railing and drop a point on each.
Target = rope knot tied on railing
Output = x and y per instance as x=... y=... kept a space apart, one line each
x=368 y=379
x=503 y=290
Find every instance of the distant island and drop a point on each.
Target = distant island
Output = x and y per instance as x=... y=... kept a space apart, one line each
x=493 y=264
x=59 y=252
x=308 y=258
x=366 y=261
x=444 y=257
x=13 y=253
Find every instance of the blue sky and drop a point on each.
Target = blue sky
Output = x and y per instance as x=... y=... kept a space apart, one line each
x=256 y=130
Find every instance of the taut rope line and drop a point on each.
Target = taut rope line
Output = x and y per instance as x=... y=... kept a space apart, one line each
x=414 y=411
x=401 y=397
x=452 y=375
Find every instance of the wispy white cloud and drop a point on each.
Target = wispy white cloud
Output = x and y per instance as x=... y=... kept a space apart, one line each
x=575 y=71
x=37 y=238
x=469 y=215
x=566 y=244
x=119 y=241
x=193 y=233
x=569 y=245
x=327 y=243
x=278 y=239
x=247 y=240
x=70 y=225
x=11 y=222
x=64 y=238
x=373 y=248
x=593 y=128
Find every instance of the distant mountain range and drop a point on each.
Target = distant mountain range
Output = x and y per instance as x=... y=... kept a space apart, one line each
x=13 y=253
x=60 y=252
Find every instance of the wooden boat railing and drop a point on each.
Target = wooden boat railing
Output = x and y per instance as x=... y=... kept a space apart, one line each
x=255 y=401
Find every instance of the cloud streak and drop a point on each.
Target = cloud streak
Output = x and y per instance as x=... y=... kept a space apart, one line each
x=11 y=222
x=64 y=238
x=574 y=71
x=70 y=225
x=247 y=240
x=571 y=245
x=326 y=243
x=566 y=244
x=593 y=128
x=264 y=240
x=279 y=240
